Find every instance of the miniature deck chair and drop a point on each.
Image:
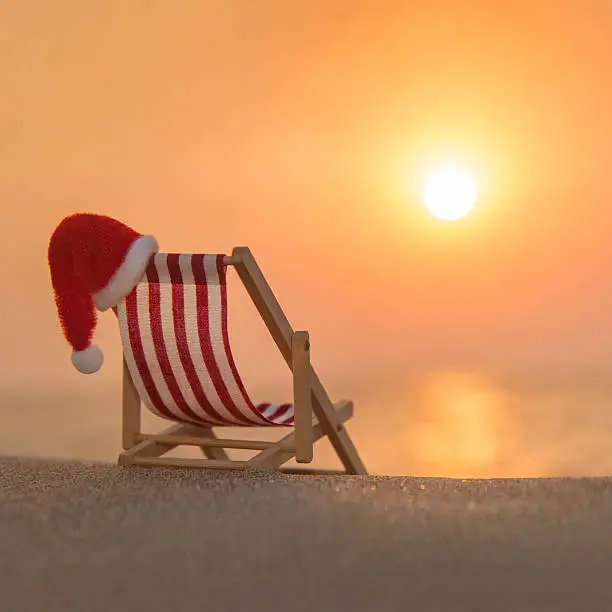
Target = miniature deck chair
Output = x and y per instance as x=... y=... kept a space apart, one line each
x=178 y=362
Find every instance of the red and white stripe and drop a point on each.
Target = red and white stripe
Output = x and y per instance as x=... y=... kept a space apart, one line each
x=175 y=340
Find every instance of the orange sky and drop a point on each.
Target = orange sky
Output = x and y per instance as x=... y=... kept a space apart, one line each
x=302 y=129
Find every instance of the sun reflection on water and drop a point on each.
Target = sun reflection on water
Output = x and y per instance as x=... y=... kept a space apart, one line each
x=466 y=427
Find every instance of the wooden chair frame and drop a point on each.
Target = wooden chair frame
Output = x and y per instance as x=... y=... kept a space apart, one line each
x=309 y=396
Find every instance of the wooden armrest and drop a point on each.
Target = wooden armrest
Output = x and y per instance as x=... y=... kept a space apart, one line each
x=302 y=396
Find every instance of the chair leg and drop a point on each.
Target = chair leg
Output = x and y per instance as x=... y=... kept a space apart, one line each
x=211 y=452
x=302 y=397
x=150 y=448
x=334 y=429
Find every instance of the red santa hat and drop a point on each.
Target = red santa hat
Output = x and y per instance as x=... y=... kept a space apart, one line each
x=95 y=261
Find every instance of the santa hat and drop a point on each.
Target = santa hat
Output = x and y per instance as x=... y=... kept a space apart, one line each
x=95 y=261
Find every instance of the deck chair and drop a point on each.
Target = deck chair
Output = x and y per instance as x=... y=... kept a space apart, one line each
x=178 y=363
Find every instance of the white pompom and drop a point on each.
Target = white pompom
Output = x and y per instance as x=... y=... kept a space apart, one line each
x=89 y=360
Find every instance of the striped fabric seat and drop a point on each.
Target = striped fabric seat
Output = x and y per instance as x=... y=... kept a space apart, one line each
x=175 y=342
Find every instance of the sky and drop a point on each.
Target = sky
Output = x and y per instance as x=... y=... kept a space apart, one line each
x=304 y=130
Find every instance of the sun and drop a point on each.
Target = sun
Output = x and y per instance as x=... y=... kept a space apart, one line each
x=449 y=193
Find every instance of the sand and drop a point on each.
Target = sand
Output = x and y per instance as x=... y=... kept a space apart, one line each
x=95 y=537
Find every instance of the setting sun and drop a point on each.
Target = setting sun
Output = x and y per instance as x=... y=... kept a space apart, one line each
x=449 y=193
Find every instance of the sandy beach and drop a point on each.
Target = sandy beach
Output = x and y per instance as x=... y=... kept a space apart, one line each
x=96 y=537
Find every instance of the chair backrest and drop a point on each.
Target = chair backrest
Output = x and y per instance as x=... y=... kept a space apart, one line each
x=175 y=342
